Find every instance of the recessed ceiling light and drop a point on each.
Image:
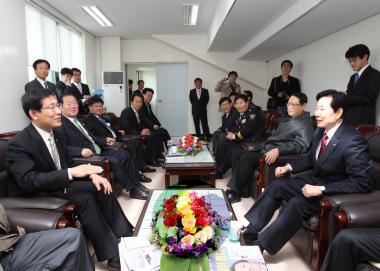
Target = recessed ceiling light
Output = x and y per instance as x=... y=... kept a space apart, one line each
x=190 y=14
x=97 y=15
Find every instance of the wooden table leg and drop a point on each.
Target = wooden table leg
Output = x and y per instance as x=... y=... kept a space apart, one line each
x=212 y=179
x=167 y=180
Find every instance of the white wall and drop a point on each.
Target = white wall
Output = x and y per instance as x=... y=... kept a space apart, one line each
x=321 y=65
x=153 y=51
x=13 y=68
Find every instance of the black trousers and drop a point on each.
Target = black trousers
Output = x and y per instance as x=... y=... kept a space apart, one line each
x=244 y=163
x=224 y=145
x=216 y=137
x=123 y=168
x=351 y=247
x=203 y=119
x=136 y=150
x=101 y=217
x=297 y=208
x=50 y=250
x=153 y=145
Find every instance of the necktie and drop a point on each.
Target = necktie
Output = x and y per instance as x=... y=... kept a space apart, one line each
x=80 y=88
x=54 y=152
x=108 y=127
x=137 y=117
x=46 y=85
x=198 y=93
x=323 y=145
x=356 y=78
x=147 y=106
x=84 y=132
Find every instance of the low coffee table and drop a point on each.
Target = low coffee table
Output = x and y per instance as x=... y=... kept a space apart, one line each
x=202 y=164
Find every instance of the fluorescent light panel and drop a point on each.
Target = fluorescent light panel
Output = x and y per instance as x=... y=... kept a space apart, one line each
x=97 y=15
x=190 y=14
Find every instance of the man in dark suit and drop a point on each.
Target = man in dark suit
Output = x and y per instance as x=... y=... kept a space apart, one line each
x=135 y=123
x=102 y=128
x=339 y=158
x=80 y=90
x=352 y=247
x=39 y=165
x=146 y=109
x=130 y=91
x=41 y=69
x=228 y=121
x=363 y=87
x=199 y=98
x=82 y=143
x=65 y=83
x=140 y=85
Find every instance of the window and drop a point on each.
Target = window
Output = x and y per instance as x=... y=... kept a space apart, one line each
x=52 y=40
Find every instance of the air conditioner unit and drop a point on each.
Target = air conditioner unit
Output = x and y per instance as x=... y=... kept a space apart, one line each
x=115 y=98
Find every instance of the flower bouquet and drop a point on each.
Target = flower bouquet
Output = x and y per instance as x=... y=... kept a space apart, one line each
x=189 y=145
x=186 y=229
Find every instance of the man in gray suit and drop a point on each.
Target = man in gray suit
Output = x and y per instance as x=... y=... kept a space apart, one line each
x=41 y=69
x=46 y=250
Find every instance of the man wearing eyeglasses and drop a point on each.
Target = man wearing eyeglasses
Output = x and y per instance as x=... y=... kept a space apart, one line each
x=363 y=87
x=292 y=136
x=39 y=165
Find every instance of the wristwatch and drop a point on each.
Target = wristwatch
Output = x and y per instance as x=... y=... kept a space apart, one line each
x=322 y=188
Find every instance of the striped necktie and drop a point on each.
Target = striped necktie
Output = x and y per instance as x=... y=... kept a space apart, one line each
x=54 y=151
x=84 y=132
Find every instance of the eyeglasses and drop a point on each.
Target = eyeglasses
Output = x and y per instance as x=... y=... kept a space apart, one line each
x=53 y=107
x=292 y=104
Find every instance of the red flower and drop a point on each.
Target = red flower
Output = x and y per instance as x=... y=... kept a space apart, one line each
x=202 y=221
x=198 y=202
x=199 y=211
x=171 y=220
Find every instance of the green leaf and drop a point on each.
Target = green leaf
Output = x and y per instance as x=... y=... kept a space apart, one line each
x=172 y=263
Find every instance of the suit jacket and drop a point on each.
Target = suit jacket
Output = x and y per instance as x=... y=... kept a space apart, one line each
x=146 y=109
x=131 y=125
x=249 y=126
x=78 y=95
x=229 y=122
x=199 y=106
x=35 y=84
x=31 y=168
x=76 y=140
x=138 y=91
x=361 y=97
x=345 y=165
x=96 y=127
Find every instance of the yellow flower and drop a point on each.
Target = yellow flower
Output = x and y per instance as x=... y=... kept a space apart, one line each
x=201 y=236
x=188 y=240
x=209 y=231
x=186 y=210
x=188 y=222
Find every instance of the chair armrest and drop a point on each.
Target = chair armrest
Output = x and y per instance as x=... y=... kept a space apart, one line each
x=345 y=199
x=129 y=137
x=95 y=160
x=33 y=220
x=43 y=203
x=362 y=215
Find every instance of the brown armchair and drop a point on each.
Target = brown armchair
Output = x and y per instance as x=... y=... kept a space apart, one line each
x=32 y=213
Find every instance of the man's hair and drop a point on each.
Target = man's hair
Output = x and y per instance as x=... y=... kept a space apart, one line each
x=137 y=95
x=232 y=73
x=38 y=61
x=241 y=96
x=130 y=81
x=287 y=61
x=197 y=79
x=140 y=81
x=145 y=90
x=66 y=70
x=94 y=100
x=32 y=100
x=67 y=93
x=249 y=94
x=76 y=70
x=338 y=99
x=232 y=94
x=223 y=99
x=358 y=50
x=301 y=97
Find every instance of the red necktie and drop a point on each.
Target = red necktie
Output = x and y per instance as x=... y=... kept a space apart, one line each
x=323 y=145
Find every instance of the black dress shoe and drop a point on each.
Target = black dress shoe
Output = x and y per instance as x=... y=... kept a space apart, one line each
x=145 y=179
x=154 y=164
x=148 y=170
x=248 y=236
x=113 y=264
x=138 y=193
x=244 y=194
x=144 y=188
x=233 y=196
